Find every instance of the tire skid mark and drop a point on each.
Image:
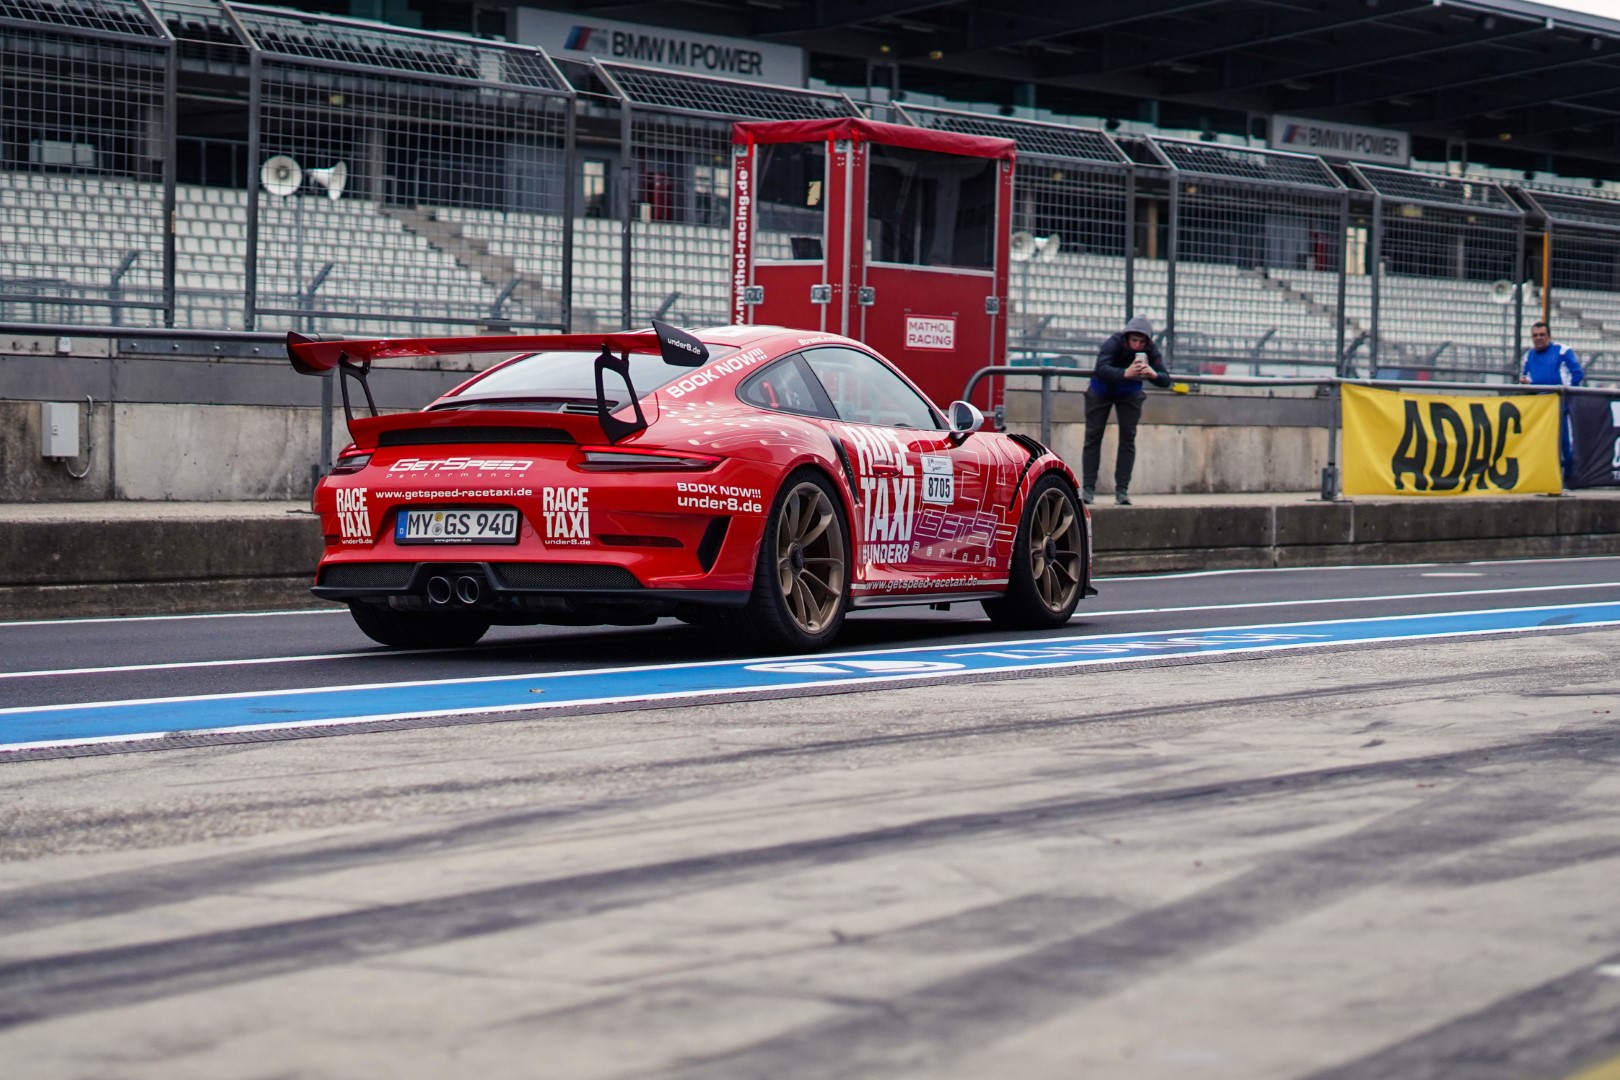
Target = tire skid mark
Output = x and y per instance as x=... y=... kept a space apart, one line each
x=51 y=905
x=67 y=984
x=1553 y=1030
x=962 y=1013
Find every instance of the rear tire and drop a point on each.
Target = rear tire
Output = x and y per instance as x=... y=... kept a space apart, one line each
x=1048 y=573
x=801 y=583
x=418 y=629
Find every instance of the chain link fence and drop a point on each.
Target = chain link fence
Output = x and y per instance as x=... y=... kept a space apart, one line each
x=409 y=182
x=1582 y=277
x=86 y=181
x=1445 y=296
x=1072 y=274
x=675 y=235
x=1253 y=274
x=357 y=177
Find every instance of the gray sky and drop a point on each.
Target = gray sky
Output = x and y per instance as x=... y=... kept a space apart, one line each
x=1607 y=8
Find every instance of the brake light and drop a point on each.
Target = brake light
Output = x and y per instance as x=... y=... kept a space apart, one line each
x=619 y=459
x=351 y=464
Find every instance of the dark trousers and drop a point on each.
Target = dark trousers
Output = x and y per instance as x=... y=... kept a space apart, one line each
x=1129 y=411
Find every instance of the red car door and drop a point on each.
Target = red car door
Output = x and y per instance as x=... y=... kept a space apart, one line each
x=931 y=514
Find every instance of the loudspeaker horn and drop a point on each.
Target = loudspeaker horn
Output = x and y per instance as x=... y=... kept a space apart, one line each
x=1023 y=247
x=332 y=179
x=1047 y=247
x=1502 y=292
x=281 y=175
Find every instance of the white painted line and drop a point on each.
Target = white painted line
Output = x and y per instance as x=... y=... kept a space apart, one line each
x=1354 y=566
x=1353 y=599
x=173 y=618
x=876 y=681
x=385 y=653
x=814 y=657
x=182 y=664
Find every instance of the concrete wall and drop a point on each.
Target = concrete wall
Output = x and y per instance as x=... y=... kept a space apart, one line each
x=168 y=452
x=1194 y=443
x=180 y=420
x=135 y=558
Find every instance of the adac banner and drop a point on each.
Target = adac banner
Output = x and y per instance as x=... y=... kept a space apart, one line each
x=1594 y=422
x=1397 y=443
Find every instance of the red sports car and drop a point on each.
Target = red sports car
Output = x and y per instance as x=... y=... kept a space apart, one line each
x=764 y=478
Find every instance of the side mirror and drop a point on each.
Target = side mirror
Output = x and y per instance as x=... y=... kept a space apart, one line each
x=965 y=419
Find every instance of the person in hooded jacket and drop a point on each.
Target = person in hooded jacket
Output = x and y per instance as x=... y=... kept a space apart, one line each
x=1125 y=360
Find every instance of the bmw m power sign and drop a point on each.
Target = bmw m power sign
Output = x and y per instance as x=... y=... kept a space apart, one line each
x=1342 y=142
x=583 y=37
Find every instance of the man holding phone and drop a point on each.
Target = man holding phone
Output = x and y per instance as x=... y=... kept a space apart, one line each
x=1123 y=362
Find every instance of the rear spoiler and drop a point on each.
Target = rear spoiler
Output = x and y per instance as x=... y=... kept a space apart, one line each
x=351 y=358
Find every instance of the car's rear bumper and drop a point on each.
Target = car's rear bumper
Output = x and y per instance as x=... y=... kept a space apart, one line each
x=510 y=587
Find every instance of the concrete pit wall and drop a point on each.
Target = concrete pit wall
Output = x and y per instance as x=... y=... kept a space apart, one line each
x=185 y=421
x=1194 y=443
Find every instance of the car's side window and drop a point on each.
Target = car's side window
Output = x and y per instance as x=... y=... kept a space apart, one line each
x=865 y=391
x=786 y=387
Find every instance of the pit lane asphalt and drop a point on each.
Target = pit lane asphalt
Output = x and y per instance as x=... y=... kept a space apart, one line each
x=65 y=662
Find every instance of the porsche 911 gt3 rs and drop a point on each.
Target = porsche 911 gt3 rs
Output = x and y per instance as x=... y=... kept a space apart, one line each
x=761 y=478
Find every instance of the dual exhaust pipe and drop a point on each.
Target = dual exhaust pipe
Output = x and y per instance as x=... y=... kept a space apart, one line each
x=466 y=590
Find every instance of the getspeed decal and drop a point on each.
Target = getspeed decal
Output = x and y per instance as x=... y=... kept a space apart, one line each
x=354 y=519
x=462 y=464
x=566 y=512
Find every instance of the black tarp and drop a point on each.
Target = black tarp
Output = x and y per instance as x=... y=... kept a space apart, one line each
x=1595 y=435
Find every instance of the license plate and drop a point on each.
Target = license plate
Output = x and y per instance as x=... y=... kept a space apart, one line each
x=456 y=527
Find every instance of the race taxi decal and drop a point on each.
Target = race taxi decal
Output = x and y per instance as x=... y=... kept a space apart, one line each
x=354 y=519
x=739 y=362
x=939 y=480
x=566 y=512
x=463 y=465
x=731 y=498
x=888 y=489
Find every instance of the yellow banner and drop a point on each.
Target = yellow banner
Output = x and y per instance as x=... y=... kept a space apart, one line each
x=1398 y=443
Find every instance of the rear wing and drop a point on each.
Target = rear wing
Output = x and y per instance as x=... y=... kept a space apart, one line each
x=351 y=358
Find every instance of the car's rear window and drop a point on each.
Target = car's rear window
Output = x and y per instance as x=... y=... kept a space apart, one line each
x=572 y=375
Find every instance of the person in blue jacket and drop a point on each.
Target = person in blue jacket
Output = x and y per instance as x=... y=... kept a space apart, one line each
x=1547 y=363
x=1123 y=362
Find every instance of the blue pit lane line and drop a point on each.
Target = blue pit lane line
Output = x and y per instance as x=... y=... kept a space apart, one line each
x=31 y=727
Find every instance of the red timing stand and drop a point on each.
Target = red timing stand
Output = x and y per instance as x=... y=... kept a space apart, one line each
x=896 y=236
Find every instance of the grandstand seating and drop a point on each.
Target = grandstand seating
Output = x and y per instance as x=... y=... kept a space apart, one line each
x=66 y=236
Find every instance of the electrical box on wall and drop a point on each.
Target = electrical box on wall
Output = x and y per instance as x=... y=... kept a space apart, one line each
x=59 y=429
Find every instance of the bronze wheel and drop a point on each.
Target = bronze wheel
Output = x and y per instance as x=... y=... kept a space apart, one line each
x=1055 y=550
x=1050 y=562
x=810 y=569
x=801 y=582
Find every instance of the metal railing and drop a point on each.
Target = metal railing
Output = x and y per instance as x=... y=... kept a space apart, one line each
x=481 y=188
x=1330 y=384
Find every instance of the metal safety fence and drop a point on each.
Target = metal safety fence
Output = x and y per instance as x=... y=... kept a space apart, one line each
x=1447 y=295
x=409 y=181
x=192 y=163
x=1253 y=268
x=86 y=180
x=1074 y=191
x=1579 y=273
x=675 y=238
